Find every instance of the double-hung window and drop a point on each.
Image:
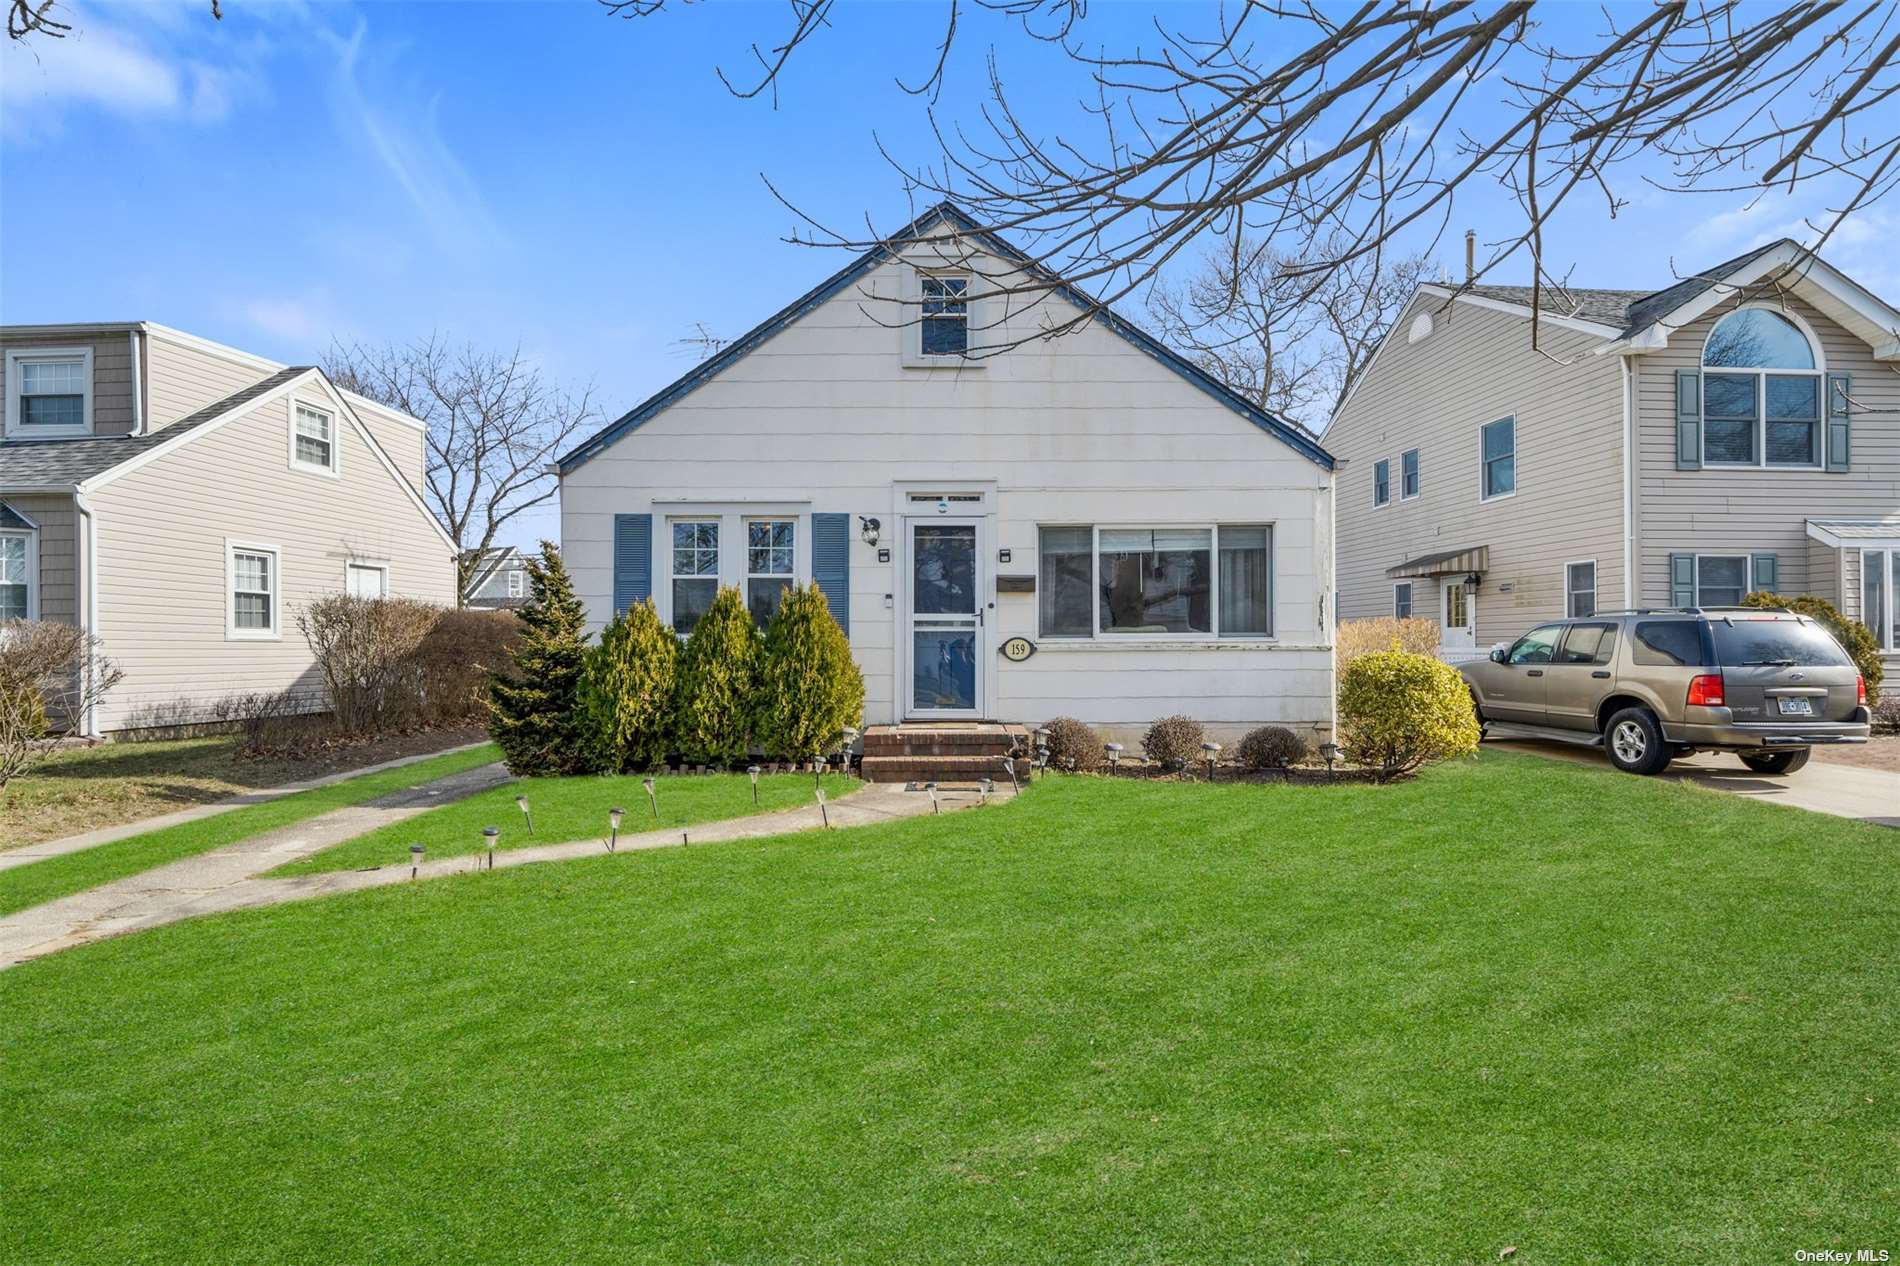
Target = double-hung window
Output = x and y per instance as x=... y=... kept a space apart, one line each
x=695 y=570
x=1761 y=393
x=1381 y=482
x=1880 y=596
x=1498 y=459
x=49 y=392
x=1402 y=600
x=1193 y=582
x=1580 y=589
x=1408 y=474
x=312 y=438
x=1721 y=580
x=254 y=586
x=17 y=582
x=769 y=565
x=945 y=321
x=517 y=581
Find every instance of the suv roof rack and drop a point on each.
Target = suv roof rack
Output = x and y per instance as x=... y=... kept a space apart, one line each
x=1682 y=611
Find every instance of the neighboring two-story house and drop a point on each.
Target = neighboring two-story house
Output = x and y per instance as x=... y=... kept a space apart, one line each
x=1008 y=527
x=1736 y=431
x=181 y=499
x=499 y=579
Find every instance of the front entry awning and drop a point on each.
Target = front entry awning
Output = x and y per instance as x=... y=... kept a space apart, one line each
x=1450 y=563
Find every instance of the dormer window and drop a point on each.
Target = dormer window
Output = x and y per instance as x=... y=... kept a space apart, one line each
x=312 y=439
x=946 y=316
x=49 y=392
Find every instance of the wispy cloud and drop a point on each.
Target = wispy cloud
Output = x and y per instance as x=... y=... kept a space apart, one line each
x=403 y=132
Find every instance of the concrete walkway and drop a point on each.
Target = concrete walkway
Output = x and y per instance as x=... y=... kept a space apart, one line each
x=1845 y=791
x=125 y=830
x=228 y=878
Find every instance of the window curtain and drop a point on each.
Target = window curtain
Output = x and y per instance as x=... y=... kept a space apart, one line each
x=1246 y=586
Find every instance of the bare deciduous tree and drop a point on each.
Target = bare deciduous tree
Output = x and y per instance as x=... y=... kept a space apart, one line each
x=494 y=427
x=1263 y=329
x=25 y=18
x=1340 y=131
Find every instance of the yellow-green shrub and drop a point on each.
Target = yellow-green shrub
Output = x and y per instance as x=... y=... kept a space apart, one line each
x=627 y=691
x=1398 y=710
x=716 y=696
x=810 y=689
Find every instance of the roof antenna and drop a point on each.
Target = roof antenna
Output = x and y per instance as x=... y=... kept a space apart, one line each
x=1471 y=256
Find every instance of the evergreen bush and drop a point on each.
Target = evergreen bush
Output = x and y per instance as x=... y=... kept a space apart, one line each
x=809 y=686
x=716 y=694
x=534 y=708
x=1398 y=710
x=628 y=691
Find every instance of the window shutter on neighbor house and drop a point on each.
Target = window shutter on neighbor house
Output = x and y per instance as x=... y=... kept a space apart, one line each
x=1839 y=441
x=1682 y=580
x=633 y=560
x=1688 y=419
x=1765 y=573
x=831 y=563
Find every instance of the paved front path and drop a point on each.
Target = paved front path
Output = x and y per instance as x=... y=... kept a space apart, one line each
x=228 y=878
x=1846 y=791
x=107 y=834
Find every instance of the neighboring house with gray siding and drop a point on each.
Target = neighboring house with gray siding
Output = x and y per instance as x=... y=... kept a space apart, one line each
x=182 y=500
x=500 y=579
x=1739 y=430
x=1008 y=527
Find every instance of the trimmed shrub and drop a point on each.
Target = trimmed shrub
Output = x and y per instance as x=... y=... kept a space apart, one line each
x=628 y=691
x=1855 y=638
x=364 y=649
x=1174 y=741
x=715 y=695
x=534 y=706
x=1073 y=745
x=462 y=651
x=1354 y=638
x=1398 y=710
x=1270 y=747
x=809 y=686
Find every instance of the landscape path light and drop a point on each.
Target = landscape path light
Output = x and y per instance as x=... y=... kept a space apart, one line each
x=489 y=835
x=652 y=797
x=613 y=827
x=521 y=803
x=931 y=787
x=1212 y=753
x=415 y=859
x=1114 y=751
x=1331 y=752
x=824 y=814
x=983 y=789
x=818 y=768
x=1009 y=767
x=752 y=772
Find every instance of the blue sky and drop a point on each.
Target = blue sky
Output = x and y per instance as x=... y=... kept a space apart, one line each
x=547 y=175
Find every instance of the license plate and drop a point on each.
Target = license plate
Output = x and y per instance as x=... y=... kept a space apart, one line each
x=1798 y=707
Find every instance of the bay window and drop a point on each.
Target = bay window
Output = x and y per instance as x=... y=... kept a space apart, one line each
x=1132 y=582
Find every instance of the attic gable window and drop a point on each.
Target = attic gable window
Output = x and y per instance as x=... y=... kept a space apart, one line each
x=313 y=439
x=945 y=326
x=49 y=392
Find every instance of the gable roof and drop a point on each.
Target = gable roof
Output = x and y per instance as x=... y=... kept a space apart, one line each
x=1295 y=437
x=61 y=462
x=490 y=562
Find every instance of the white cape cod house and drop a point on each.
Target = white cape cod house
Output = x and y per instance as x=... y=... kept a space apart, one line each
x=1083 y=525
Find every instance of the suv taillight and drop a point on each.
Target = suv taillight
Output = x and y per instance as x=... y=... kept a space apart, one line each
x=1706 y=691
x=1860 y=688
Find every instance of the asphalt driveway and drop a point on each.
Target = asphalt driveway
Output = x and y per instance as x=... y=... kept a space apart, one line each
x=1847 y=791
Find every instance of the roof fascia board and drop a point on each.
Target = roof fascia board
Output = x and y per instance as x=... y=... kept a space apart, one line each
x=826 y=289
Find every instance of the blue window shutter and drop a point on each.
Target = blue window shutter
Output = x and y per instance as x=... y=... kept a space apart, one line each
x=1682 y=580
x=1839 y=446
x=633 y=560
x=1688 y=419
x=1764 y=572
x=831 y=563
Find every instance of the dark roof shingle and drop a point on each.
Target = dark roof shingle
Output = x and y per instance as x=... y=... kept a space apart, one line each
x=53 y=463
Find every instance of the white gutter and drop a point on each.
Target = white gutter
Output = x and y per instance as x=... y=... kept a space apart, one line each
x=138 y=388
x=1629 y=482
x=89 y=601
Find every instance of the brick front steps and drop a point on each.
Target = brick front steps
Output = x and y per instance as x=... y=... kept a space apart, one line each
x=943 y=752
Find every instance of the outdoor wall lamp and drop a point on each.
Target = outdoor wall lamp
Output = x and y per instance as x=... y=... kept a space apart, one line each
x=1472 y=582
x=868 y=529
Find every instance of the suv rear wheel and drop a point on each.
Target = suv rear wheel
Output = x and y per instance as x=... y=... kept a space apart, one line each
x=1776 y=762
x=1634 y=742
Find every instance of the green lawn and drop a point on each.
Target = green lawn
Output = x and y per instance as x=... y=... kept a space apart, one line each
x=1514 y=1003
x=569 y=809
x=61 y=876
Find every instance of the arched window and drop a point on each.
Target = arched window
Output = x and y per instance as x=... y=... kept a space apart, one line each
x=1761 y=392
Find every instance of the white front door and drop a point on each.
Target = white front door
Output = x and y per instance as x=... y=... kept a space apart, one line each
x=1457 y=616
x=943 y=633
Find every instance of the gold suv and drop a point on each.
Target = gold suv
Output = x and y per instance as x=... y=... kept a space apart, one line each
x=1652 y=685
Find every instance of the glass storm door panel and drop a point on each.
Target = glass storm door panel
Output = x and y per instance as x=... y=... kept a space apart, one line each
x=1458 y=625
x=945 y=617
